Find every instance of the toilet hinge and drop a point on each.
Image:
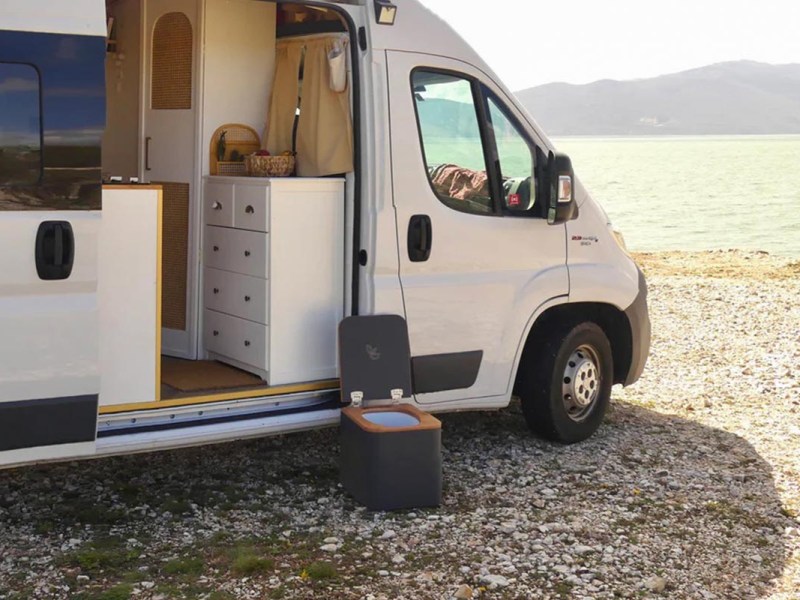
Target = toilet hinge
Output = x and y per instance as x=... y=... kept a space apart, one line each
x=357 y=399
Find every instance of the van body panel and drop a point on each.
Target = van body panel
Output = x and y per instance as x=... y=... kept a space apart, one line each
x=51 y=87
x=77 y=17
x=600 y=271
x=49 y=344
x=380 y=277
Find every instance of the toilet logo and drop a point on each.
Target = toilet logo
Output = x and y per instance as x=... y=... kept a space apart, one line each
x=373 y=352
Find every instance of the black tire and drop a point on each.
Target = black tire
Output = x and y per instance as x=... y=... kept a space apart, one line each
x=547 y=372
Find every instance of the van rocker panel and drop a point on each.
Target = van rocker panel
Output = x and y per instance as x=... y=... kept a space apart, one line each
x=48 y=422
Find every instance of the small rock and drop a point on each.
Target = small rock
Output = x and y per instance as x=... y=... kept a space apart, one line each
x=329 y=548
x=494 y=581
x=82 y=578
x=464 y=592
x=398 y=559
x=388 y=534
x=383 y=573
x=656 y=584
x=508 y=528
x=148 y=585
x=331 y=540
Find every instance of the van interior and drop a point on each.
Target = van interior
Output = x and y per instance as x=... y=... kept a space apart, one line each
x=192 y=95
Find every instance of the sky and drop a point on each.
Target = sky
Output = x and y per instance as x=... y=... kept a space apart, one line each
x=532 y=42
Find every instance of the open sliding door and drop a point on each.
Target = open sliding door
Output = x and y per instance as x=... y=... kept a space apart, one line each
x=52 y=114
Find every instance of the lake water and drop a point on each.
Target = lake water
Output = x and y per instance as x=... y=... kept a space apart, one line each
x=696 y=193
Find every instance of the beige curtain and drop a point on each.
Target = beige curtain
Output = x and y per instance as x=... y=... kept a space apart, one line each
x=325 y=129
x=285 y=91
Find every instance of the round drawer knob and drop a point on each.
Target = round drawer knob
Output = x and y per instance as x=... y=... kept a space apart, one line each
x=250 y=210
x=216 y=334
x=247 y=343
x=217 y=206
x=216 y=248
x=216 y=290
x=247 y=298
x=247 y=253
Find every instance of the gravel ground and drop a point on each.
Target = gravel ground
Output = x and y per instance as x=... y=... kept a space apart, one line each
x=690 y=490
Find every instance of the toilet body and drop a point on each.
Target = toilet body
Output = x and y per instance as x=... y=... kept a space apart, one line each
x=391 y=457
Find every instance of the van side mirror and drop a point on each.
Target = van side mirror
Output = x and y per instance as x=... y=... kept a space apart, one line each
x=561 y=205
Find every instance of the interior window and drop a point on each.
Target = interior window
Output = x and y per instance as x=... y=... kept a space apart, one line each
x=451 y=140
x=516 y=162
x=20 y=125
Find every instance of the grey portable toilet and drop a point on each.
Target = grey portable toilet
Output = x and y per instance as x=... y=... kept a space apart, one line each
x=391 y=452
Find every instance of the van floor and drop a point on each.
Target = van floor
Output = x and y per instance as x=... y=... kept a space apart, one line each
x=189 y=378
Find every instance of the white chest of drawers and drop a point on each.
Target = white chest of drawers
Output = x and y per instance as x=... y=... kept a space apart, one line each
x=273 y=289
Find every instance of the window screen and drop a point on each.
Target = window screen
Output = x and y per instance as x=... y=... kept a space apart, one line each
x=516 y=161
x=451 y=140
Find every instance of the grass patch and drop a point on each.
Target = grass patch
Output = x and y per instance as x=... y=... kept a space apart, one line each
x=321 y=571
x=102 y=554
x=44 y=527
x=176 y=506
x=122 y=591
x=247 y=562
x=184 y=566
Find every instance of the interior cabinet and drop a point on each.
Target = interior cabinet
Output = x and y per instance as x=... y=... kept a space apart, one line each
x=273 y=270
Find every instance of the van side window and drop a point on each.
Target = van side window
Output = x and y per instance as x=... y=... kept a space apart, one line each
x=20 y=125
x=451 y=141
x=516 y=159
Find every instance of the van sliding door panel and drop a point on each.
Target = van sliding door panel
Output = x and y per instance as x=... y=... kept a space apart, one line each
x=52 y=94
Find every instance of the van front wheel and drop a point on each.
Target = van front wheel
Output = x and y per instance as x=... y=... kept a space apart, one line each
x=565 y=382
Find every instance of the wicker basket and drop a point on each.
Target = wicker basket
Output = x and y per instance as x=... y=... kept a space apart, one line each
x=269 y=166
x=240 y=139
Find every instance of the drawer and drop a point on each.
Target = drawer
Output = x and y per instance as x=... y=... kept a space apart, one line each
x=251 y=208
x=218 y=204
x=245 y=252
x=238 y=295
x=234 y=338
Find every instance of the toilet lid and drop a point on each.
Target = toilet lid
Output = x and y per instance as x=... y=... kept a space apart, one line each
x=374 y=357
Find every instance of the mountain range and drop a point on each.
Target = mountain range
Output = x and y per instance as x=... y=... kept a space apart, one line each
x=735 y=98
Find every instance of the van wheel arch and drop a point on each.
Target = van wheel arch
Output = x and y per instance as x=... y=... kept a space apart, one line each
x=609 y=318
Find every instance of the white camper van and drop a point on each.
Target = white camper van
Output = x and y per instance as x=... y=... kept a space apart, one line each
x=157 y=290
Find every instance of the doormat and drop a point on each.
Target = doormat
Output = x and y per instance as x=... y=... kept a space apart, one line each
x=200 y=375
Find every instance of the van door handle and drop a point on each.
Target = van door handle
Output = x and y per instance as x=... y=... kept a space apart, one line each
x=147 y=141
x=420 y=238
x=55 y=250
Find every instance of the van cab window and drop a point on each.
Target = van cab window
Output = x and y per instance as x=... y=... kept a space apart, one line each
x=516 y=162
x=20 y=125
x=451 y=141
